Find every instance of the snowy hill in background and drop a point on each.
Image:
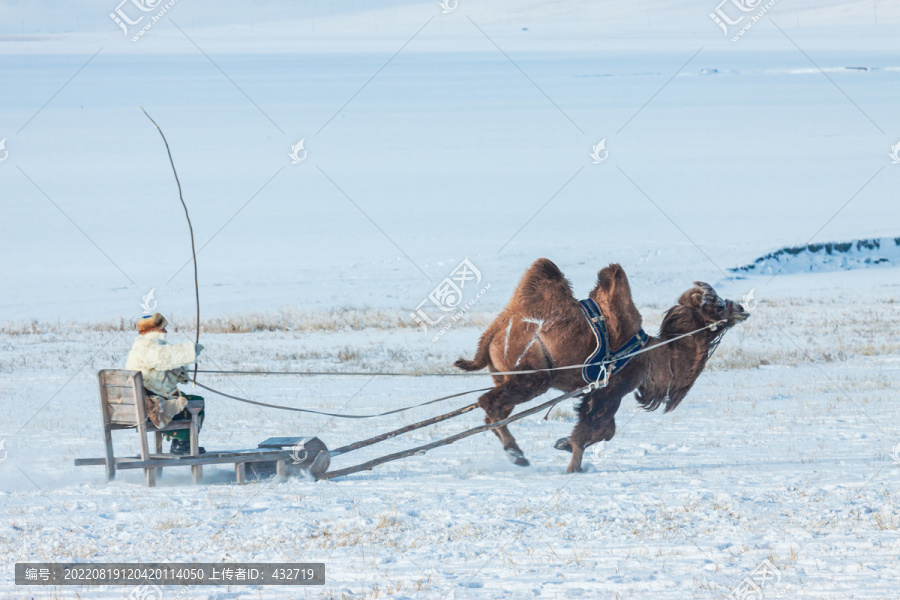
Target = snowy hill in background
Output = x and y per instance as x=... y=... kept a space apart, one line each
x=825 y=257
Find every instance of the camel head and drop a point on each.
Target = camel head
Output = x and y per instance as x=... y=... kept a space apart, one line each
x=704 y=299
x=674 y=369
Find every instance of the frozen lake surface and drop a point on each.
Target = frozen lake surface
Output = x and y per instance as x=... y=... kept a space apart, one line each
x=443 y=156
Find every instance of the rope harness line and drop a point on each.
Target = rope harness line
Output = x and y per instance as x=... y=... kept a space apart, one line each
x=593 y=386
x=367 y=466
x=714 y=325
x=341 y=416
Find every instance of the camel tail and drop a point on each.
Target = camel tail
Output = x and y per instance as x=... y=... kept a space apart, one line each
x=469 y=365
x=482 y=356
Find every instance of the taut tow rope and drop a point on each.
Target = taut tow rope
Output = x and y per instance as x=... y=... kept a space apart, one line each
x=712 y=326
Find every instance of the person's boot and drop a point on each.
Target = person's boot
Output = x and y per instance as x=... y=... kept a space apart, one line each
x=183 y=447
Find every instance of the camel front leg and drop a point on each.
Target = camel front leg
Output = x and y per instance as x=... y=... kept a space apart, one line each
x=577 y=443
x=584 y=439
x=597 y=422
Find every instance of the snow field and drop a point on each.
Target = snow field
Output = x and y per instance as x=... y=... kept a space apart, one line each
x=781 y=458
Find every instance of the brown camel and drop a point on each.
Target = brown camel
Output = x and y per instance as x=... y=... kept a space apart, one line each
x=544 y=327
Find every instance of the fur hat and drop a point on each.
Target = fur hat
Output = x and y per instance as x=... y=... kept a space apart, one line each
x=152 y=322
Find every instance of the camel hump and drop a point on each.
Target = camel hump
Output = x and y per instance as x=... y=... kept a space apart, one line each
x=611 y=277
x=545 y=269
x=613 y=296
x=612 y=284
x=543 y=276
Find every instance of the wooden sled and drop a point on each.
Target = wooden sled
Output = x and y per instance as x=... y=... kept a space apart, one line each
x=122 y=407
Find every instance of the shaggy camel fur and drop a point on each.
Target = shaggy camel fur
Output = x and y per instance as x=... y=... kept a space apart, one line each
x=543 y=327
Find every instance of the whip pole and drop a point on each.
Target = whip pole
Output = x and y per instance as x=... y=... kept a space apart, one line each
x=190 y=228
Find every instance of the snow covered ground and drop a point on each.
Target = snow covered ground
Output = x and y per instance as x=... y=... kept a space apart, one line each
x=781 y=452
x=431 y=135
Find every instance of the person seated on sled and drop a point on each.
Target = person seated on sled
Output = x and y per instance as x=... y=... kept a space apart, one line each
x=162 y=366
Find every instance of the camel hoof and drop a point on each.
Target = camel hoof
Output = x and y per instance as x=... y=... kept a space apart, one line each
x=563 y=444
x=517 y=458
x=572 y=469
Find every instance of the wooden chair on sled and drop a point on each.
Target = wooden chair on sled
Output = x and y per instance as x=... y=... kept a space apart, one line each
x=122 y=406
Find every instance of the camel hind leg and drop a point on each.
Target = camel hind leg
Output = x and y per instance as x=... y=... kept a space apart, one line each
x=498 y=404
x=506 y=438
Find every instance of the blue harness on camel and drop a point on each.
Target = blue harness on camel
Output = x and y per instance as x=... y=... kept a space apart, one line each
x=603 y=362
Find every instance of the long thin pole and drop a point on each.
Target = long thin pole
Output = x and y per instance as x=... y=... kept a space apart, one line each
x=367 y=466
x=408 y=428
x=190 y=228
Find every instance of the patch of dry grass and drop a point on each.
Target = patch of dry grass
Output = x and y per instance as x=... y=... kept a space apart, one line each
x=786 y=332
x=285 y=319
x=792 y=332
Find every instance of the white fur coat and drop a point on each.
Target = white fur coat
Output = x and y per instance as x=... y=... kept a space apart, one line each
x=160 y=364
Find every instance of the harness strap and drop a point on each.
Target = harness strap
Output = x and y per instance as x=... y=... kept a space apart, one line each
x=602 y=363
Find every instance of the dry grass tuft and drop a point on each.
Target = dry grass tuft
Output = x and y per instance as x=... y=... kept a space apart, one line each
x=285 y=319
